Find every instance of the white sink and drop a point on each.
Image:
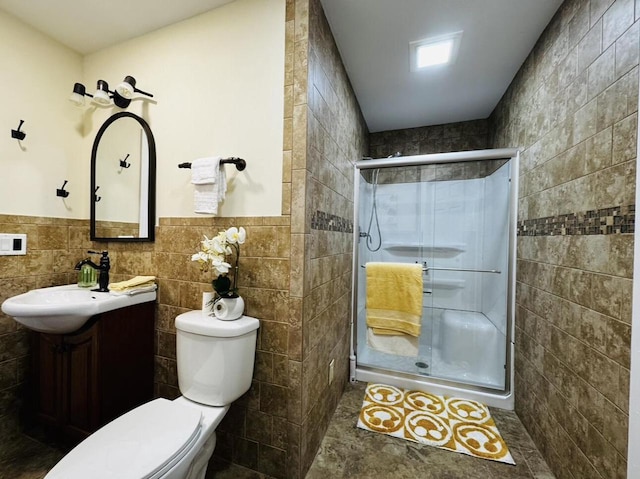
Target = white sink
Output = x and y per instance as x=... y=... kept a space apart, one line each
x=64 y=309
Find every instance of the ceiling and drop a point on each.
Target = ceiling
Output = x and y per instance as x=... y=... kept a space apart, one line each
x=373 y=38
x=87 y=26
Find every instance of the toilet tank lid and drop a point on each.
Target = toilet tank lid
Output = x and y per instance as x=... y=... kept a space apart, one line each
x=134 y=446
x=198 y=322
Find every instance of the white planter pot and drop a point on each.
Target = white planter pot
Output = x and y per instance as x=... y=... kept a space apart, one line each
x=228 y=309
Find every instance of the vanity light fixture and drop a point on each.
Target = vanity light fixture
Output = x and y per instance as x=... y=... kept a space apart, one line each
x=121 y=97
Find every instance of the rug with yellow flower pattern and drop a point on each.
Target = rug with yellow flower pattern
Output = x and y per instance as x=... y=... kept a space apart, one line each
x=454 y=424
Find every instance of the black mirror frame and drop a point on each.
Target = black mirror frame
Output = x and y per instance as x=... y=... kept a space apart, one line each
x=151 y=213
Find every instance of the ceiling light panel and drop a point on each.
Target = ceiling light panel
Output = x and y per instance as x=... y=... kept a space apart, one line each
x=434 y=51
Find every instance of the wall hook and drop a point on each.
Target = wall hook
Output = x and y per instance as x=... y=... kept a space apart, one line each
x=61 y=191
x=17 y=134
x=96 y=198
x=123 y=163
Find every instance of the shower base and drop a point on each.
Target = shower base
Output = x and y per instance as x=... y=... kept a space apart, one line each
x=465 y=360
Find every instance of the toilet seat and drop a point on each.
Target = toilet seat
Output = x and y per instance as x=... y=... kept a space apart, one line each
x=142 y=444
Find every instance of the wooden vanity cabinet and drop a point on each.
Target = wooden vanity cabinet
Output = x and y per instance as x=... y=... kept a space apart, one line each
x=83 y=380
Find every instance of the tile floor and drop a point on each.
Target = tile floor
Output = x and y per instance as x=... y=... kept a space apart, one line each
x=346 y=452
x=349 y=452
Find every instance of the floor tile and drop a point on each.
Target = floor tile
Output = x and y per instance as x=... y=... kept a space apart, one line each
x=349 y=452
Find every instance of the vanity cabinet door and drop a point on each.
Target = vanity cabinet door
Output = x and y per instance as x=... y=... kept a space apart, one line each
x=65 y=382
x=47 y=378
x=80 y=405
x=83 y=380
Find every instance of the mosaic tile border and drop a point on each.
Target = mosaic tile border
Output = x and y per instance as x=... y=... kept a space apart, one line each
x=328 y=222
x=604 y=221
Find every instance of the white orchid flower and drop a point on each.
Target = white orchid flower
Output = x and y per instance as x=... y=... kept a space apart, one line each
x=218 y=246
x=242 y=235
x=221 y=267
x=200 y=256
x=202 y=259
x=235 y=235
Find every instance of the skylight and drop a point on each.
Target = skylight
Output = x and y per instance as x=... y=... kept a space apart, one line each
x=434 y=51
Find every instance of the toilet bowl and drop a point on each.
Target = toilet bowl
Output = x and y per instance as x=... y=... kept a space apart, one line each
x=165 y=439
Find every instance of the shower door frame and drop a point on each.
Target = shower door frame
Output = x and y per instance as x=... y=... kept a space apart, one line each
x=497 y=398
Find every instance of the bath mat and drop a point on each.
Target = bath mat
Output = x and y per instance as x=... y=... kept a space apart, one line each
x=454 y=424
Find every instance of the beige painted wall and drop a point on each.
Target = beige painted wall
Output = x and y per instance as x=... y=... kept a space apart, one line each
x=218 y=79
x=36 y=77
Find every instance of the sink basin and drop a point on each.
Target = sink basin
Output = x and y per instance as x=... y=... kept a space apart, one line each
x=64 y=309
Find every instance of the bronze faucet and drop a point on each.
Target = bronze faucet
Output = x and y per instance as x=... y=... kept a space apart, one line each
x=103 y=269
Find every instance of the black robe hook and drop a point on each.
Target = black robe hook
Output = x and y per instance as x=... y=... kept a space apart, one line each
x=123 y=163
x=96 y=198
x=17 y=134
x=61 y=191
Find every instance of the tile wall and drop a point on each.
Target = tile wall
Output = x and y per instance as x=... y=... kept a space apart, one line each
x=329 y=134
x=463 y=136
x=49 y=262
x=254 y=431
x=572 y=108
x=54 y=246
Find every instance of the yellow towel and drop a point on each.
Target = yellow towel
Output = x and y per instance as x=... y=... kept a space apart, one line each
x=137 y=282
x=394 y=298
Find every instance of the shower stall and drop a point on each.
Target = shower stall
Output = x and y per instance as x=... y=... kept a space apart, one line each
x=455 y=215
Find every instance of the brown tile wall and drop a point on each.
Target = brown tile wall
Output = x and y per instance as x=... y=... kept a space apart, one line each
x=572 y=108
x=49 y=262
x=254 y=431
x=434 y=172
x=462 y=136
x=329 y=135
x=54 y=246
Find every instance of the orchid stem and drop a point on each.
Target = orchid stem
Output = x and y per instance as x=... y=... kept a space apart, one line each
x=235 y=272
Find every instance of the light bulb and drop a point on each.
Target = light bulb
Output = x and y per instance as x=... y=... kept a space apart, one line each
x=125 y=90
x=127 y=87
x=77 y=99
x=101 y=98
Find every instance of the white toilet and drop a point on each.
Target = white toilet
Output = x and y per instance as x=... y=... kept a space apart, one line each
x=174 y=439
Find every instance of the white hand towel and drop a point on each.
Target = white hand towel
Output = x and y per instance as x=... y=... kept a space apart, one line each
x=207 y=196
x=205 y=171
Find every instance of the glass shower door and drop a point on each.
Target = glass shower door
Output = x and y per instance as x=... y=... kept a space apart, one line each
x=468 y=272
x=391 y=201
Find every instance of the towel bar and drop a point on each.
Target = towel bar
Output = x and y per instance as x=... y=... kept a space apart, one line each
x=426 y=269
x=239 y=162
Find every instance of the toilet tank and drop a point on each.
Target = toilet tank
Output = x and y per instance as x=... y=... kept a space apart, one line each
x=215 y=358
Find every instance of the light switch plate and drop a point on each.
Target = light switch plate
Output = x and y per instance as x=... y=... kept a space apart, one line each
x=13 y=244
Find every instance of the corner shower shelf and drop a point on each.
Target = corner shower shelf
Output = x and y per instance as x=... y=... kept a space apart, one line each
x=446 y=284
x=451 y=249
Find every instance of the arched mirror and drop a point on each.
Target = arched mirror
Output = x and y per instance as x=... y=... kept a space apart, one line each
x=123 y=180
